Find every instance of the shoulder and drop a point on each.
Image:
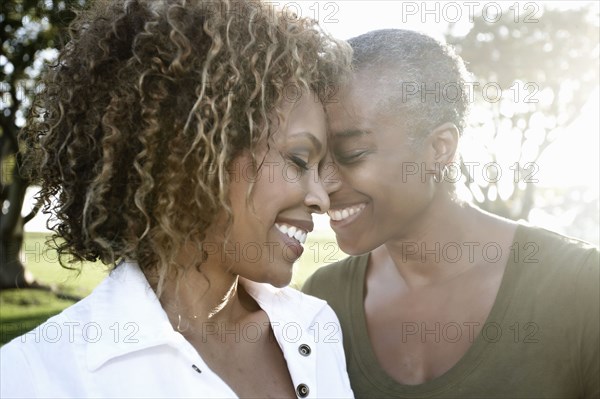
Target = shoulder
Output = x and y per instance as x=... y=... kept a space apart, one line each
x=51 y=351
x=536 y=249
x=16 y=372
x=559 y=270
x=563 y=273
x=84 y=335
x=549 y=244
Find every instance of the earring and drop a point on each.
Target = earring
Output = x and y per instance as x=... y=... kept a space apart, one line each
x=183 y=323
x=181 y=328
x=441 y=174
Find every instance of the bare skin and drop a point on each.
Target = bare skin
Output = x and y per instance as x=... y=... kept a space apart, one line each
x=400 y=209
x=271 y=380
x=232 y=348
x=208 y=304
x=213 y=323
x=438 y=308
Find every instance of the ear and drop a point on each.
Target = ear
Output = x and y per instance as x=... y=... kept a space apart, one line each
x=444 y=142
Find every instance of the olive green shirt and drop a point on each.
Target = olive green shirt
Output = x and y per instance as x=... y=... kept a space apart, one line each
x=540 y=340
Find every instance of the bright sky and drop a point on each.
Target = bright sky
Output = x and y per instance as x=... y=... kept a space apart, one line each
x=572 y=160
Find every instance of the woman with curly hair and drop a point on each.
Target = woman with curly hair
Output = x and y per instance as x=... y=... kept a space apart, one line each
x=183 y=143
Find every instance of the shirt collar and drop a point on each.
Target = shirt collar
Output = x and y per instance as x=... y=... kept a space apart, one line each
x=131 y=318
x=282 y=305
x=129 y=315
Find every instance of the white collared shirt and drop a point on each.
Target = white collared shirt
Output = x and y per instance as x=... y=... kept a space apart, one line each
x=118 y=342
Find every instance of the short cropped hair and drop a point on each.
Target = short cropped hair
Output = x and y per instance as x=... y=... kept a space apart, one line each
x=420 y=78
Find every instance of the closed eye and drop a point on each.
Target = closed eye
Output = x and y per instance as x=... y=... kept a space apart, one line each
x=350 y=156
x=301 y=163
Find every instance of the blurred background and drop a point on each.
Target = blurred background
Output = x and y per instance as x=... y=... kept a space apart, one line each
x=531 y=151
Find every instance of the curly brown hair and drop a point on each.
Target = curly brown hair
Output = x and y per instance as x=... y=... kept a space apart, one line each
x=147 y=106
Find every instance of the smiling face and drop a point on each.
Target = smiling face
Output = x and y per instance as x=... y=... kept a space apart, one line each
x=269 y=229
x=385 y=187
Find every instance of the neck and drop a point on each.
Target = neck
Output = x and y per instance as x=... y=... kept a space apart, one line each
x=210 y=294
x=438 y=247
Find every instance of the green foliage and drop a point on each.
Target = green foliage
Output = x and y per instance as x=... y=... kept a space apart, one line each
x=547 y=66
x=29 y=31
x=557 y=53
x=28 y=27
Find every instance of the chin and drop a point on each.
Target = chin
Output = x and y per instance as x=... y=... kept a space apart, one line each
x=281 y=284
x=354 y=247
x=285 y=281
x=279 y=280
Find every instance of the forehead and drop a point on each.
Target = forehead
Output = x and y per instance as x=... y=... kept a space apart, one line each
x=359 y=104
x=302 y=114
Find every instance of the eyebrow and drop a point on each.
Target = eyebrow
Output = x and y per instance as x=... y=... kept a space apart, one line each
x=346 y=134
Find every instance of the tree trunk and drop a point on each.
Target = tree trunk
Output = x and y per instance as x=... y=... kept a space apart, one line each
x=12 y=271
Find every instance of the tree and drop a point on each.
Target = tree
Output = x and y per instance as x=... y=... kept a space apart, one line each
x=29 y=29
x=548 y=56
x=545 y=63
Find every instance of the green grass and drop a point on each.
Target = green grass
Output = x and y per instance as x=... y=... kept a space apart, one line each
x=23 y=310
x=319 y=250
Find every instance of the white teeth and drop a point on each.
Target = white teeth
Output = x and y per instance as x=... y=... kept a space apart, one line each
x=342 y=214
x=292 y=232
x=298 y=235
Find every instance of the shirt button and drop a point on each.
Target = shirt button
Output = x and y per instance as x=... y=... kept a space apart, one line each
x=304 y=350
x=302 y=390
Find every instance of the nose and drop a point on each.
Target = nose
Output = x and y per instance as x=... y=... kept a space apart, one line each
x=330 y=174
x=317 y=196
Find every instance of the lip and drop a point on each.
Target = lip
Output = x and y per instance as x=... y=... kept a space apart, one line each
x=295 y=247
x=288 y=242
x=337 y=224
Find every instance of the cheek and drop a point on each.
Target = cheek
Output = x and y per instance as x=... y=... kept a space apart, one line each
x=369 y=178
x=281 y=184
x=270 y=187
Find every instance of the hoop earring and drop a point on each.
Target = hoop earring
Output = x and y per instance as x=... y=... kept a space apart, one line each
x=183 y=323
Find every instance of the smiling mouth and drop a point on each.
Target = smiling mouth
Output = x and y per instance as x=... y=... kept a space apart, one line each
x=293 y=232
x=341 y=214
